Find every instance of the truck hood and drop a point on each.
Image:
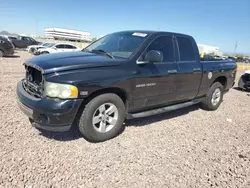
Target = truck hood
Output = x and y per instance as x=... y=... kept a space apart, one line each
x=70 y=60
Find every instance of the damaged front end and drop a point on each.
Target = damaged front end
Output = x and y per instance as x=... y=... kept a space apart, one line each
x=244 y=81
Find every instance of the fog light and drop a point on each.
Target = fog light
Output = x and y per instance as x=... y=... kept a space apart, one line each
x=43 y=119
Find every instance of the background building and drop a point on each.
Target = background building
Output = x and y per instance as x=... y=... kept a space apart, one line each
x=209 y=49
x=68 y=34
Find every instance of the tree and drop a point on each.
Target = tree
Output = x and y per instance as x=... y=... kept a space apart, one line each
x=93 y=39
x=240 y=55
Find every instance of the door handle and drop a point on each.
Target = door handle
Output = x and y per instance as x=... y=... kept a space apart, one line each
x=172 y=71
x=196 y=69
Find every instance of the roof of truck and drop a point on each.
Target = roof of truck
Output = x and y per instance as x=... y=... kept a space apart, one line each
x=152 y=32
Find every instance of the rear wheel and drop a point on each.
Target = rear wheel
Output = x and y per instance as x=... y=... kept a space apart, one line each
x=102 y=118
x=1 y=53
x=45 y=52
x=214 y=97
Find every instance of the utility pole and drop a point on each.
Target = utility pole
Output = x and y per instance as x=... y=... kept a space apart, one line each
x=235 y=46
x=36 y=28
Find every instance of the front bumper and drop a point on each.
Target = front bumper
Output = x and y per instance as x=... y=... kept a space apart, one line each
x=47 y=113
x=244 y=83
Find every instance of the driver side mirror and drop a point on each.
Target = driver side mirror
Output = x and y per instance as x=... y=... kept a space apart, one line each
x=152 y=56
x=54 y=48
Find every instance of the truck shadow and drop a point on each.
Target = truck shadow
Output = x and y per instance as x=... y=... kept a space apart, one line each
x=242 y=90
x=13 y=56
x=74 y=134
x=160 y=117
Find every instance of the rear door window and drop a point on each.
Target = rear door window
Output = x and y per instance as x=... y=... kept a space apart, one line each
x=27 y=39
x=60 y=46
x=186 y=49
x=70 y=46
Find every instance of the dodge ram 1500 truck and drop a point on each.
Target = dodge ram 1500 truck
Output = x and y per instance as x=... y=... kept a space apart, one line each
x=123 y=75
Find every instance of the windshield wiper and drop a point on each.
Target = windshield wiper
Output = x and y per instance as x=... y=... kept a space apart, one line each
x=103 y=52
x=85 y=50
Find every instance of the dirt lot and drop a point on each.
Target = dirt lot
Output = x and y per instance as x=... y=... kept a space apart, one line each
x=185 y=148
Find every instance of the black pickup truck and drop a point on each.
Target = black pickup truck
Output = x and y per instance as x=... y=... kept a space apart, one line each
x=123 y=75
x=23 y=41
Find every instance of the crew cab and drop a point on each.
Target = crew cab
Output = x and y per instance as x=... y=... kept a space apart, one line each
x=23 y=41
x=56 y=48
x=124 y=75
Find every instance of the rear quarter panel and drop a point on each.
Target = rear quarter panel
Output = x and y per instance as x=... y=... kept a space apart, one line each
x=212 y=70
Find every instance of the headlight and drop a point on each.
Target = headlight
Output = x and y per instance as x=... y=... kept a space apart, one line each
x=63 y=91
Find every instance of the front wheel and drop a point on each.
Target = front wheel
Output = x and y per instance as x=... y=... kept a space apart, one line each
x=214 y=97
x=102 y=118
x=45 y=52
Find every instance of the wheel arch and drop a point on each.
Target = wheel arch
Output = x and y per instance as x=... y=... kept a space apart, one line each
x=115 y=90
x=222 y=80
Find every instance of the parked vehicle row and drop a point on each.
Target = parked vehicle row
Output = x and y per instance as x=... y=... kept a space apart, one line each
x=240 y=59
x=123 y=75
x=208 y=57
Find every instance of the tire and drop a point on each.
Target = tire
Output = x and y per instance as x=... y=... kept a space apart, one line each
x=1 y=53
x=215 y=91
x=45 y=52
x=31 y=50
x=95 y=132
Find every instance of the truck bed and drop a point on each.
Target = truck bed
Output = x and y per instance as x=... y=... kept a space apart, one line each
x=218 y=65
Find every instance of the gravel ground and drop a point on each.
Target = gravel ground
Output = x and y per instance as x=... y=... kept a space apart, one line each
x=186 y=148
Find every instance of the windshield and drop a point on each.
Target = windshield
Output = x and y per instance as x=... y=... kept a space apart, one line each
x=119 y=44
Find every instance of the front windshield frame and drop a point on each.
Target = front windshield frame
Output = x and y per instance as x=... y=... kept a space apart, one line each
x=143 y=35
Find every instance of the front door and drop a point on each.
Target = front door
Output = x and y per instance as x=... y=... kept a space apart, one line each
x=155 y=84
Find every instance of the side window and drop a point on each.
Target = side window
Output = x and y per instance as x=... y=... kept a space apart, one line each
x=70 y=46
x=26 y=39
x=186 y=49
x=60 y=46
x=165 y=45
x=32 y=40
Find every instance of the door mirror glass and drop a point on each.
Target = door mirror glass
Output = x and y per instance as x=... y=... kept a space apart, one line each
x=153 y=56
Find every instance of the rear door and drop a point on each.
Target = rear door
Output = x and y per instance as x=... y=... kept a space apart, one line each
x=60 y=48
x=155 y=84
x=189 y=77
x=70 y=48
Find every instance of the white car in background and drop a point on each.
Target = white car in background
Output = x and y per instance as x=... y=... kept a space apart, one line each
x=33 y=48
x=60 y=47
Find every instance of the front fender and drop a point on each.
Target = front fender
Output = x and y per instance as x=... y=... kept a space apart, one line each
x=91 y=80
